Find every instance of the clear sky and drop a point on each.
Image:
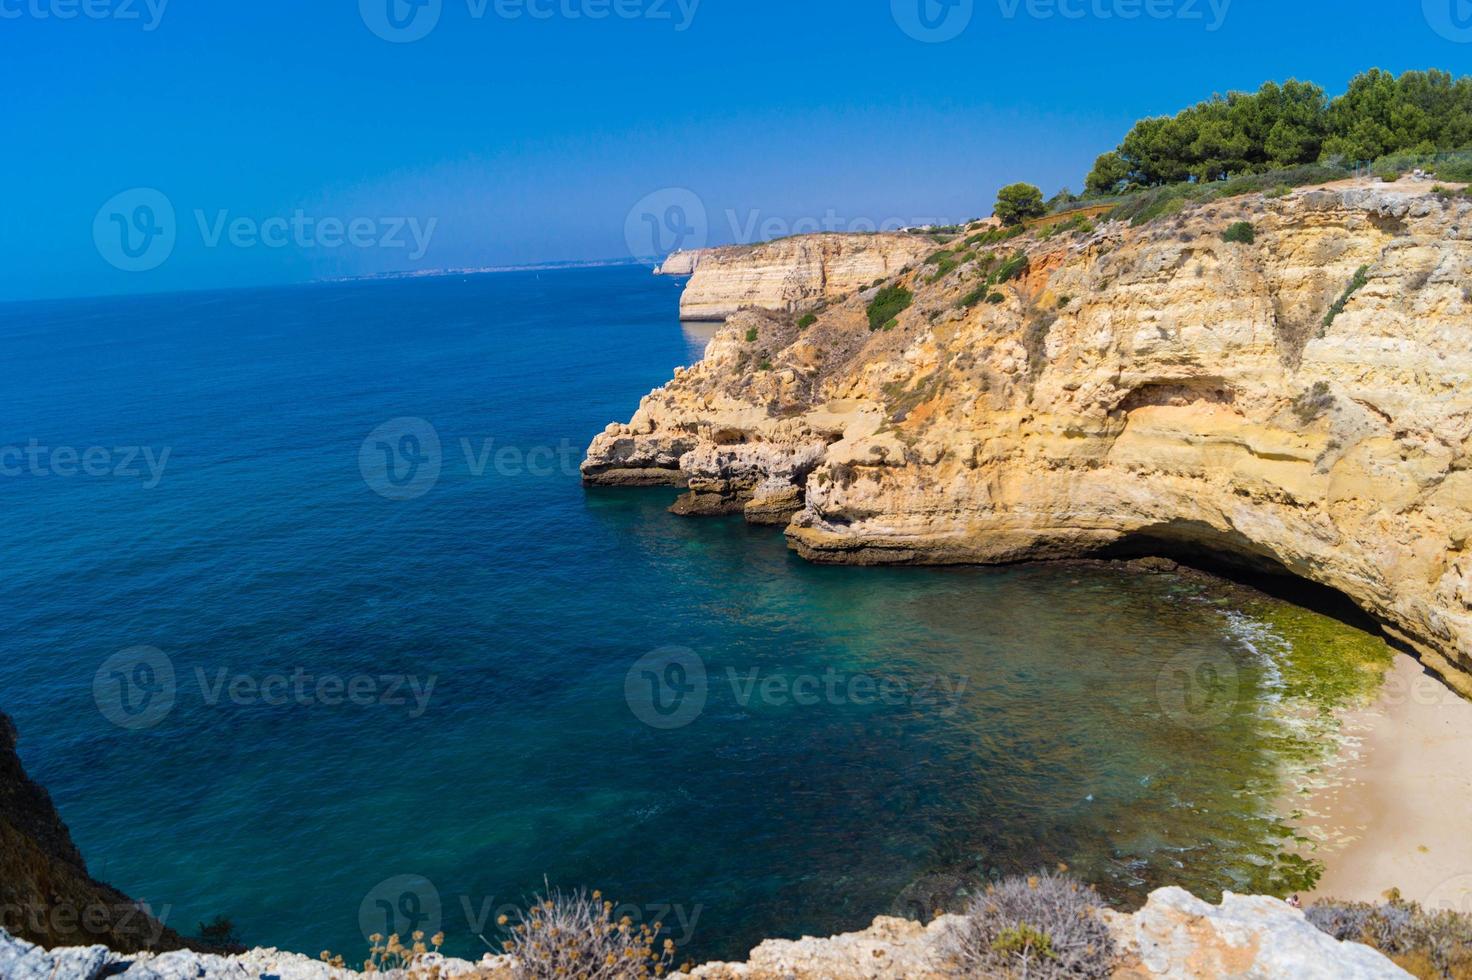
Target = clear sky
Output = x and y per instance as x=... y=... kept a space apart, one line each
x=520 y=131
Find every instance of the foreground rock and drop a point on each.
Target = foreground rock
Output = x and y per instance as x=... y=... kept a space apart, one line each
x=1299 y=404
x=1174 y=936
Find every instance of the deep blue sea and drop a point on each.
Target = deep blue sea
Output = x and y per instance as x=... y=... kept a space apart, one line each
x=311 y=673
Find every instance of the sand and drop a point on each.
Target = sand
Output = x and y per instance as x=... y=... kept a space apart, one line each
x=1396 y=808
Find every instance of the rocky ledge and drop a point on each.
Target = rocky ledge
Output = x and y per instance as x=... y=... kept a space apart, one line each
x=1299 y=403
x=1174 y=936
x=789 y=273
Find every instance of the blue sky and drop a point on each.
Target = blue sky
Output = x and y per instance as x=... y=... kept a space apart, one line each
x=508 y=138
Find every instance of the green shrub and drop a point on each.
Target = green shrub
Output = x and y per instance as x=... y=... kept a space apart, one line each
x=765 y=365
x=996 y=298
x=1012 y=268
x=806 y=320
x=946 y=267
x=1046 y=927
x=888 y=304
x=936 y=258
x=1064 y=300
x=1018 y=202
x=975 y=296
x=1359 y=281
x=576 y=936
x=750 y=335
x=1242 y=232
x=1389 y=176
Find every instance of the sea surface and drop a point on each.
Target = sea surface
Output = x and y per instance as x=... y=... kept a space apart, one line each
x=309 y=623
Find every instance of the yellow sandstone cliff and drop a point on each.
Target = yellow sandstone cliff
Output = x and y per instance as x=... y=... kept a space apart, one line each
x=1136 y=389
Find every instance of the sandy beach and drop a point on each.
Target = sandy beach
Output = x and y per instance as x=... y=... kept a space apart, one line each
x=1396 y=808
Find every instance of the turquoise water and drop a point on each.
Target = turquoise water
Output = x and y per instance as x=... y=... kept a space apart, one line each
x=868 y=740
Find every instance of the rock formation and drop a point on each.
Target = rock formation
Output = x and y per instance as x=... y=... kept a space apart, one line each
x=46 y=894
x=1174 y=937
x=1300 y=403
x=790 y=272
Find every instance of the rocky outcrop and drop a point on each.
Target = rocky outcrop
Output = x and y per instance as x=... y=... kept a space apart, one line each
x=20 y=960
x=792 y=272
x=1302 y=403
x=1174 y=937
x=682 y=263
x=46 y=894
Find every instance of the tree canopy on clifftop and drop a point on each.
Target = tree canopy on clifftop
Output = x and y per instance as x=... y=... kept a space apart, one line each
x=1294 y=123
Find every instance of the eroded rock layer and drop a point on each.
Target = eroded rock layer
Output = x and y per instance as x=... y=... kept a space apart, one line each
x=1303 y=402
x=789 y=273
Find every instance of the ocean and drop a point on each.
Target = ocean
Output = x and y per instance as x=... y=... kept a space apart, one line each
x=310 y=623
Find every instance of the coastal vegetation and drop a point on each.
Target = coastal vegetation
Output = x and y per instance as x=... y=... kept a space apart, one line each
x=1430 y=945
x=1018 y=202
x=1044 y=926
x=1400 y=122
x=888 y=304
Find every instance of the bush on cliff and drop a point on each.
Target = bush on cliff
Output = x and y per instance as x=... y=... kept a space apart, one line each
x=1430 y=945
x=1046 y=927
x=1242 y=232
x=1018 y=202
x=889 y=303
x=575 y=935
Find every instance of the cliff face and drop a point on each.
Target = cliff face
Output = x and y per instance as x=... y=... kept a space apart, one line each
x=46 y=895
x=1141 y=389
x=790 y=272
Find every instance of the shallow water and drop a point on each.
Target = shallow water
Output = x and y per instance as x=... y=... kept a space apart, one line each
x=870 y=740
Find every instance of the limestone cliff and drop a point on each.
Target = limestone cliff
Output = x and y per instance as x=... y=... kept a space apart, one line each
x=46 y=894
x=1303 y=402
x=790 y=272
